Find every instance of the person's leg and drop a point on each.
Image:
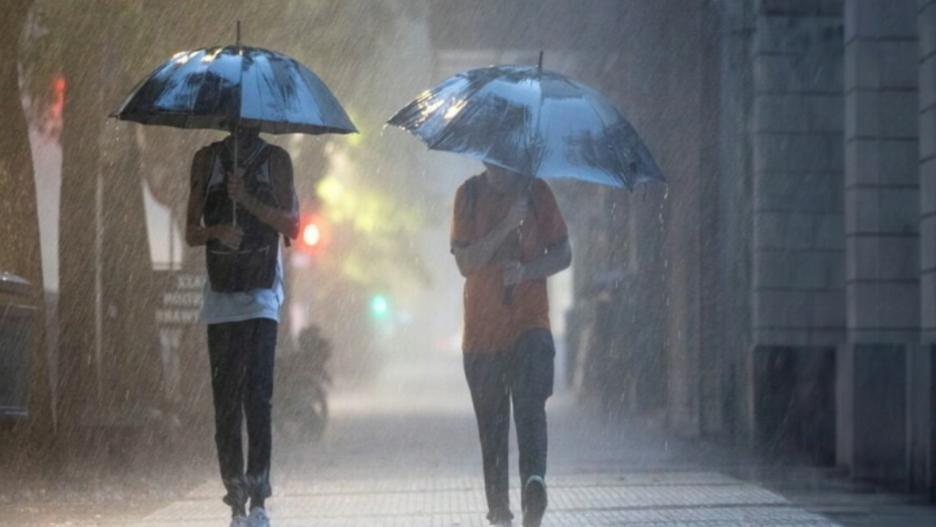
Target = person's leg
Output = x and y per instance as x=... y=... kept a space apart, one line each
x=531 y=384
x=487 y=381
x=258 y=406
x=227 y=381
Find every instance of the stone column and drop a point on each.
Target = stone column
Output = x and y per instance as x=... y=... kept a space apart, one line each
x=735 y=216
x=926 y=31
x=798 y=234
x=881 y=211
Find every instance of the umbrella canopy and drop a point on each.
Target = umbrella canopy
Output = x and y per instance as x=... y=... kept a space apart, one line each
x=219 y=86
x=532 y=121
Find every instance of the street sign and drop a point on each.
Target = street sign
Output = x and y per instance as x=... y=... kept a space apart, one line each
x=176 y=315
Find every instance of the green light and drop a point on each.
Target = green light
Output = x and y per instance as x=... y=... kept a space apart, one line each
x=379 y=306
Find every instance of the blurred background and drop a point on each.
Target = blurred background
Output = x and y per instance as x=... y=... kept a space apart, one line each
x=777 y=295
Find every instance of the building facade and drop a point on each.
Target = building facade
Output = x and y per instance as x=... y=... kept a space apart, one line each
x=798 y=257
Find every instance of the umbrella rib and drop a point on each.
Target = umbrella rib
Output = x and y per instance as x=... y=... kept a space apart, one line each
x=198 y=93
x=271 y=80
x=536 y=127
x=591 y=105
x=305 y=76
x=442 y=132
x=186 y=119
x=302 y=75
x=259 y=89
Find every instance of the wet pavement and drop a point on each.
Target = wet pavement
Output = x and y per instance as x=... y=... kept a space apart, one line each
x=404 y=453
x=685 y=498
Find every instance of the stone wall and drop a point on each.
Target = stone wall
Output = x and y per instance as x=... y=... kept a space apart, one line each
x=797 y=245
x=924 y=439
x=735 y=209
x=797 y=143
x=926 y=21
x=882 y=204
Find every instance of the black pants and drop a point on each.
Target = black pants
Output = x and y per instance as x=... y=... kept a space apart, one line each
x=242 y=356
x=524 y=375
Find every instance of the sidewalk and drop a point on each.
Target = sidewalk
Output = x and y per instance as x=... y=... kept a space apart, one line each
x=405 y=454
x=652 y=499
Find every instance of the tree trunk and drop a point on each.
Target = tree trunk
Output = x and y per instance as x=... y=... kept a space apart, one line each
x=78 y=222
x=19 y=233
x=107 y=298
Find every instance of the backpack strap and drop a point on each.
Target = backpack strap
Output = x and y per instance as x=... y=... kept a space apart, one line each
x=259 y=157
x=471 y=195
x=531 y=198
x=220 y=150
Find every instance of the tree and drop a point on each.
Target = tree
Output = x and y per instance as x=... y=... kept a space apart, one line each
x=104 y=313
x=17 y=190
x=19 y=232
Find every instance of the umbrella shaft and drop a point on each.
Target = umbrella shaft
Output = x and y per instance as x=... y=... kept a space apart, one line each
x=236 y=147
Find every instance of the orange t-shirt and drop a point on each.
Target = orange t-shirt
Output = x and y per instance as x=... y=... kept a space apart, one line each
x=491 y=325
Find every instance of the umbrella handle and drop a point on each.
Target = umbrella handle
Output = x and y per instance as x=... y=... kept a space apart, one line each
x=509 y=290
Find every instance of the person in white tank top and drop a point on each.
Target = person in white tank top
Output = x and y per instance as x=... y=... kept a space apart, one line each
x=242 y=325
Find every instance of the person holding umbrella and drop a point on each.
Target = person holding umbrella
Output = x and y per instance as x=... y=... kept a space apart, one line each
x=242 y=302
x=508 y=235
x=241 y=202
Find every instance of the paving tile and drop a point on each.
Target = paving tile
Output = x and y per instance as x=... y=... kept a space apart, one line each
x=626 y=499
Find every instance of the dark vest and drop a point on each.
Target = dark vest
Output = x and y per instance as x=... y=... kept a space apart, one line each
x=253 y=264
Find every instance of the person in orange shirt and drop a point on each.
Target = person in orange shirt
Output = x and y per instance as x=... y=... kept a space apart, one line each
x=508 y=236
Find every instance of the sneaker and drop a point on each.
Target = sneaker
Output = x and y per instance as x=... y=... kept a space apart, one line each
x=534 y=501
x=240 y=521
x=258 y=518
x=503 y=523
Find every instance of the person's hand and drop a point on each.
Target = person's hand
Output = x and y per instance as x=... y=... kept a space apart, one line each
x=517 y=212
x=229 y=235
x=235 y=186
x=513 y=272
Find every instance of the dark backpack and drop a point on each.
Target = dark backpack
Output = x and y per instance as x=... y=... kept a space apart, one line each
x=253 y=264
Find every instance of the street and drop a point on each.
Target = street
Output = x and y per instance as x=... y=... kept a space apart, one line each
x=404 y=453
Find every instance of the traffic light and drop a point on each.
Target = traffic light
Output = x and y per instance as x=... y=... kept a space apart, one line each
x=313 y=234
x=379 y=306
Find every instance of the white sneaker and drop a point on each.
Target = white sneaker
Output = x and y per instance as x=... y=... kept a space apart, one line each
x=240 y=521
x=504 y=523
x=258 y=518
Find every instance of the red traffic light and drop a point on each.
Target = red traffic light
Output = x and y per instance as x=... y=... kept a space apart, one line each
x=313 y=234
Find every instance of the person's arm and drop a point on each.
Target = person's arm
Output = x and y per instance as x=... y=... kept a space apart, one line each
x=473 y=256
x=197 y=234
x=285 y=218
x=557 y=254
x=557 y=258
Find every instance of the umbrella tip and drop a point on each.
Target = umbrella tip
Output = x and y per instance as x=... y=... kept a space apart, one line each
x=238 y=34
x=539 y=64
